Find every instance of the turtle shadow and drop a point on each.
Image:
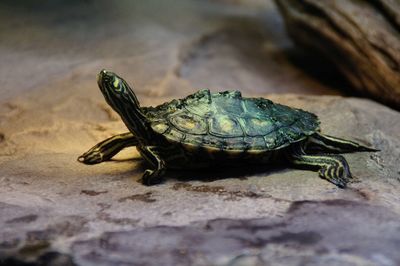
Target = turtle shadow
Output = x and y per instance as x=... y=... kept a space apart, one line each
x=210 y=174
x=215 y=173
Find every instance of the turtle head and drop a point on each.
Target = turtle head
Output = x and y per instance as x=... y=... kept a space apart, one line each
x=116 y=91
x=123 y=100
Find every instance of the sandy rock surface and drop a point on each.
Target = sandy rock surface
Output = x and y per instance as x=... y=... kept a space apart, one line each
x=54 y=210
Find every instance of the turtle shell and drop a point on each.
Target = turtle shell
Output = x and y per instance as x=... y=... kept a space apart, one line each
x=228 y=121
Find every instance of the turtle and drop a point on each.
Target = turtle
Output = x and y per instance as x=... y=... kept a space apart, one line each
x=208 y=129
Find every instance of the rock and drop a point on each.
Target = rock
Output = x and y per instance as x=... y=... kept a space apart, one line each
x=308 y=234
x=362 y=38
x=54 y=207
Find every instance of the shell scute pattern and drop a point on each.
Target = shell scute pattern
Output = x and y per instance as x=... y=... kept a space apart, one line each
x=254 y=126
x=189 y=123
x=198 y=103
x=257 y=143
x=271 y=141
x=226 y=121
x=225 y=126
x=161 y=127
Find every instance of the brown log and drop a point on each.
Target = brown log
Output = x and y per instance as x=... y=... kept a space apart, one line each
x=362 y=38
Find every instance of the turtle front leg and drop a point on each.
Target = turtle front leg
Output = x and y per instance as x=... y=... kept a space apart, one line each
x=333 y=168
x=152 y=154
x=105 y=150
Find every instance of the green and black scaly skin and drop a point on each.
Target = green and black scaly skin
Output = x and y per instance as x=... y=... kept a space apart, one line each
x=224 y=128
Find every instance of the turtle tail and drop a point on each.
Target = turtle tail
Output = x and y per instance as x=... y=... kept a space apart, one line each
x=319 y=142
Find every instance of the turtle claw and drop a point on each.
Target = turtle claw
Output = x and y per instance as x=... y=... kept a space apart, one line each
x=339 y=182
x=151 y=177
x=91 y=157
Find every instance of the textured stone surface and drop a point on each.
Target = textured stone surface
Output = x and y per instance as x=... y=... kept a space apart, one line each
x=308 y=234
x=362 y=38
x=54 y=210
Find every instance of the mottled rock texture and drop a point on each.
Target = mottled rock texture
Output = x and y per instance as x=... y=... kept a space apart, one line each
x=307 y=234
x=56 y=211
x=362 y=38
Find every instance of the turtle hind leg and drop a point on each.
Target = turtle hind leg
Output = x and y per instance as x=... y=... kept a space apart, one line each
x=333 y=168
x=105 y=150
x=319 y=142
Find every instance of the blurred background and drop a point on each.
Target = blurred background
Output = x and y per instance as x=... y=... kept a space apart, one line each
x=164 y=48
